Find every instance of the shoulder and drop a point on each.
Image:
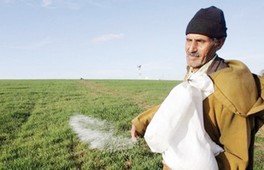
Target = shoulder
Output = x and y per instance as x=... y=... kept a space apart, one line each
x=236 y=72
x=235 y=86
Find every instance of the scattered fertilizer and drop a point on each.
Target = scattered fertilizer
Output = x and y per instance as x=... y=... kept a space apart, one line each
x=98 y=134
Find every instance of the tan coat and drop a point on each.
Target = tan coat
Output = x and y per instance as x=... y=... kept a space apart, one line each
x=232 y=115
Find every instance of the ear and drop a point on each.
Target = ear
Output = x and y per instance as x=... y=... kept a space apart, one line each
x=219 y=43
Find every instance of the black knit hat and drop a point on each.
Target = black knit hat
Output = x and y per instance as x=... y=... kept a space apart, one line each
x=208 y=21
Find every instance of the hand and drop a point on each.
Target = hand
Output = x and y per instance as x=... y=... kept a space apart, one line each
x=134 y=133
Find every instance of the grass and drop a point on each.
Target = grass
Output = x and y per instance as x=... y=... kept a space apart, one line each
x=35 y=131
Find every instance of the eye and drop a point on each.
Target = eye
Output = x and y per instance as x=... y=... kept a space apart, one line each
x=201 y=41
x=188 y=40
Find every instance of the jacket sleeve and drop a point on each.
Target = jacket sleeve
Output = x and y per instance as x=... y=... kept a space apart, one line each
x=143 y=119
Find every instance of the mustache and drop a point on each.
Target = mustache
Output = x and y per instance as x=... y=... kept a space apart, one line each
x=196 y=54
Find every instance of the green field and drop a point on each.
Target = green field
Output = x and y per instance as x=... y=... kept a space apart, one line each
x=35 y=131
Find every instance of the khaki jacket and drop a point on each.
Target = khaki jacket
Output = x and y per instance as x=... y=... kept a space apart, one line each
x=232 y=114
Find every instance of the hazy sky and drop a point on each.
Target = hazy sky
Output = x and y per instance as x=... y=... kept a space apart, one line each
x=108 y=39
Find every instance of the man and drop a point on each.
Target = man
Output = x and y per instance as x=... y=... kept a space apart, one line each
x=234 y=112
x=261 y=73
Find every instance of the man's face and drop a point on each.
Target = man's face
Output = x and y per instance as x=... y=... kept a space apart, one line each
x=199 y=50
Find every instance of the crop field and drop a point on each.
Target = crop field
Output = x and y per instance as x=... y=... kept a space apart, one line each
x=36 y=124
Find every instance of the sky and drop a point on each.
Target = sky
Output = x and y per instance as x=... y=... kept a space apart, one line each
x=109 y=39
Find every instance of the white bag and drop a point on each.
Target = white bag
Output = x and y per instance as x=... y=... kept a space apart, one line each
x=177 y=129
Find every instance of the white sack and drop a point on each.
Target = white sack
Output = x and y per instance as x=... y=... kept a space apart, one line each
x=177 y=129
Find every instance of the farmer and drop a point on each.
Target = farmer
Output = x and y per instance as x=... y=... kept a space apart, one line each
x=261 y=73
x=233 y=112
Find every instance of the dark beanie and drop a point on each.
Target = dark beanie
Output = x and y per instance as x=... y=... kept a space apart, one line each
x=208 y=21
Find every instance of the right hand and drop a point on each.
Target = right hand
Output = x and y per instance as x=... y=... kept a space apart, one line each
x=134 y=133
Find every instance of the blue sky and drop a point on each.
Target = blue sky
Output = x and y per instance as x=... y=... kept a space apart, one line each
x=108 y=39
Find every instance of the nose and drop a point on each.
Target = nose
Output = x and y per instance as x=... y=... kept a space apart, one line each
x=192 y=47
